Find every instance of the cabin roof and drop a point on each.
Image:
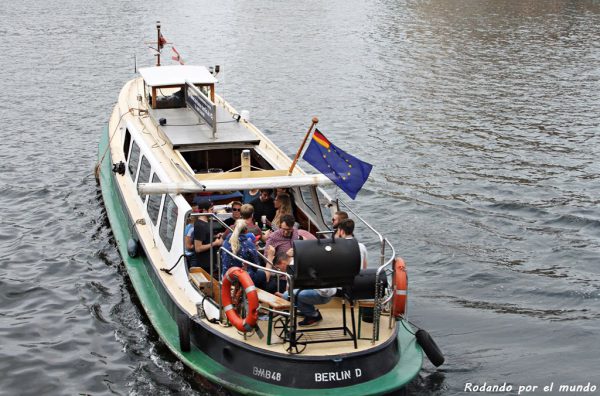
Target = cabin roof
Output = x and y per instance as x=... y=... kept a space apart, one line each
x=176 y=75
x=184 y=129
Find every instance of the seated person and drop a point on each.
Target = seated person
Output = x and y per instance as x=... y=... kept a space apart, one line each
x=250 y=195
x=346 y=230
x=246 y=213
x=236 y=207
x=306 y=300
x=283 y=238
x=337 y=217
x=287 y=191
x=283 y=206
x=263 y=205
x=241 y=244
x=268 y=281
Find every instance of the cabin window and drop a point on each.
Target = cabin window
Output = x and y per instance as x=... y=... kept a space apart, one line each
x=127 y=144
x=154 y=202
x=325 y=207
x=168 y=221
x=133 y=160
x=169 y=97
x=307 y=198
x=144 y=176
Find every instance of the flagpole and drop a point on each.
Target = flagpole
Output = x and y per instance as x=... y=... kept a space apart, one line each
x=315 y=120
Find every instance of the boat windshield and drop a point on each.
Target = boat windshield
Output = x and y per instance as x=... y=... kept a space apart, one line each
x=169 y=97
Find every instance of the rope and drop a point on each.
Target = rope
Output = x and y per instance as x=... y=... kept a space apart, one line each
x=407 y=329
x=168 y=271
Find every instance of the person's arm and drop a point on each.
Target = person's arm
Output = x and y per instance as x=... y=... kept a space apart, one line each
x=269 y=244
x=200 y=247
x=199 y=236
x=189 y=243
x=270 y=255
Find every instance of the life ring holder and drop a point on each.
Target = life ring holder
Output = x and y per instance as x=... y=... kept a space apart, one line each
x=247 y=323
x=400 y=288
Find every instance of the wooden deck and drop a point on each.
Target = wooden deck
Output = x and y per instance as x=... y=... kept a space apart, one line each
x=332 y=317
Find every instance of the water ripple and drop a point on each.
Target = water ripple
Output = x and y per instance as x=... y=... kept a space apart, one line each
x=481 y=120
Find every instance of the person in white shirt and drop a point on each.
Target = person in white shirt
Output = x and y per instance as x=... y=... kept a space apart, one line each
x=346 y=230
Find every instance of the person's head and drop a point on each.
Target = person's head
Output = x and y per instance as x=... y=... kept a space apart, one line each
x=287 y=225
x=195 y=209
x=247 y=211
x=283 y=202
x=337 y=217
x=238 y=229
x=346 y=228
x=280 y=190
x=281 y=261
x=236 y=207
x=205 y=206
x=265 y=194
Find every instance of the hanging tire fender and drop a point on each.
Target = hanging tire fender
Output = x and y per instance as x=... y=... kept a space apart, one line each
x=433 y=352
x=183 y=327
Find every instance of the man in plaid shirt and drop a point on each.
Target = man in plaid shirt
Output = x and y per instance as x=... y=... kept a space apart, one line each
x=283 y=238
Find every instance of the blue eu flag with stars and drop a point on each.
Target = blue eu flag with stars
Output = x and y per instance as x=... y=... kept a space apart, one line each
x=348 y=172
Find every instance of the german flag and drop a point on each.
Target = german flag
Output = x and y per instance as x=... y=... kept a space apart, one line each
x=346 y=171
x=321 y=139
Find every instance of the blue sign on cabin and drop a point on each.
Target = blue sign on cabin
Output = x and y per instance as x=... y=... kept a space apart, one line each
x=202 y=105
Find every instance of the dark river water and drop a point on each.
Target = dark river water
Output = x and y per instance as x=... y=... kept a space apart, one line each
x=482 y=121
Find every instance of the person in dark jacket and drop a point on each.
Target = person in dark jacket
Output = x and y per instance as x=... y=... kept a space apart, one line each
x=264 y=206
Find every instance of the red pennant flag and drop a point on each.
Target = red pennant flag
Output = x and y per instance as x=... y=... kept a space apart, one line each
x=176 y=57
x=161 y=42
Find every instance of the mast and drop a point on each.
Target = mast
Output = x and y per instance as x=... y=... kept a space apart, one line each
x=158 y=43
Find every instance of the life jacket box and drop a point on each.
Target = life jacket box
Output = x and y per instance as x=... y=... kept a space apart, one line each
x=363 y=286
x=325 y=263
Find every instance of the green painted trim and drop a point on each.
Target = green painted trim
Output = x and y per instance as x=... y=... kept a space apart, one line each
x=407 y=368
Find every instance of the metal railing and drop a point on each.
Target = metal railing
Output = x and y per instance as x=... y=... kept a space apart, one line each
x=289 y=278
x=380 y=300
x=382 y=240
x=211 y=218
x=385 y=266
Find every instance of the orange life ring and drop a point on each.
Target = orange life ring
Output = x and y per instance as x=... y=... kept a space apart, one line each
x=400 y=288
x=249 y=322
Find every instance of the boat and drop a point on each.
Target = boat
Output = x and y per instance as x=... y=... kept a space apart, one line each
x=170 y=137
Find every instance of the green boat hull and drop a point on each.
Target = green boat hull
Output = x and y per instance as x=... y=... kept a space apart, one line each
x=162 y=314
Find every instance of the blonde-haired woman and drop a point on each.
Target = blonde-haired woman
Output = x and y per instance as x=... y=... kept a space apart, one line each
x=242 y=245
x=283 y=206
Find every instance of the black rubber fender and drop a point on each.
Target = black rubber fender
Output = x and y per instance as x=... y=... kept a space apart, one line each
x=132 y=248
x=430 y=348
x=183 y=325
